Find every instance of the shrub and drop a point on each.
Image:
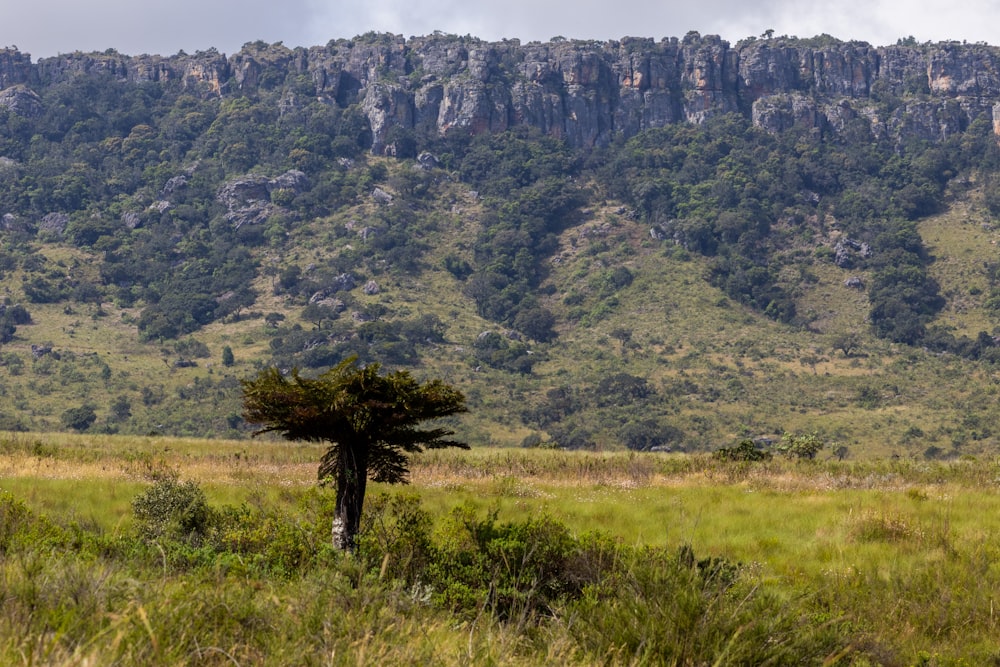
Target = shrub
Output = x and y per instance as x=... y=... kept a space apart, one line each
x=20 y=527
x=263 y=540
x=516 y=570
x=80 y=418
x=800 y=446
x=663 y=608
x=172 y=509
x=746 y=450
x=396 y=537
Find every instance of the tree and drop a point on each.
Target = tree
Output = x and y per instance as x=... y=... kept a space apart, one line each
x=121 y=408
x=369 y=420
x=227 y=356
x=800 y=446
x=848 y=343
x=80 y=418
x=624 y=336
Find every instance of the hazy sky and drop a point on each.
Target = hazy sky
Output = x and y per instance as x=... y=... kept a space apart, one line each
x=48 y=27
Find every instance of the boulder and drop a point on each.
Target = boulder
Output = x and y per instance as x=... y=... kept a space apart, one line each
x=427 y=161
x=381 y=197
x=11 y=223
x=847 y=250
x=39 y=351
x=53 y=223
x=854 y=282
x=173 y=185
x=22 y=101
x=248 y=198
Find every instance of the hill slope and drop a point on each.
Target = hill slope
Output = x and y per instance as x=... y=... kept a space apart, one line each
x=671 y=285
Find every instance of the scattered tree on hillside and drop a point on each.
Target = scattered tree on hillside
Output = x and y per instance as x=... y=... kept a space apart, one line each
x=80 y=418
x=369 y=421
x=848 y=343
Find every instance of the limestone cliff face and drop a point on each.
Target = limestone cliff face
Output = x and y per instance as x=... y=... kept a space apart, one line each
x=15 y=68
x=585 y=92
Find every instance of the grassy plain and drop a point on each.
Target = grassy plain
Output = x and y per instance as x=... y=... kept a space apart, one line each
x=896 y=558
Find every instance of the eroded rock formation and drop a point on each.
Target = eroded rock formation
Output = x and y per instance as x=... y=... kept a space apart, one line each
x=584 y=91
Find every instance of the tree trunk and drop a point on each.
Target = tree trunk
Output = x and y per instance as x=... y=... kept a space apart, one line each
x=352 y=477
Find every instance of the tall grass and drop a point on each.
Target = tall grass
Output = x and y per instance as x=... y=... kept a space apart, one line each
x=498 y=557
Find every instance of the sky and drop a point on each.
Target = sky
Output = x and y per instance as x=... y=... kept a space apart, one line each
x=45 y=28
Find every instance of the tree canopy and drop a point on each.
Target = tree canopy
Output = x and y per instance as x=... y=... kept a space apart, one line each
x=370 y=420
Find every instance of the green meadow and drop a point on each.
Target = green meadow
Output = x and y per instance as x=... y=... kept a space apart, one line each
x=119 y=550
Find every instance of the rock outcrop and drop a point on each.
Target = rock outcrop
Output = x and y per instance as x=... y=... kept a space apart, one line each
x=586 y=92
x=15 y=67
x=248 y=200
x=21 y=100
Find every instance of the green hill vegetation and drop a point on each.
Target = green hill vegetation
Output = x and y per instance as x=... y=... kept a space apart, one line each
x=731 y=392
x=682 y=289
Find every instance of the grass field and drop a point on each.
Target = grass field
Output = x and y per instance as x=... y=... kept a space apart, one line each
x=888 y=562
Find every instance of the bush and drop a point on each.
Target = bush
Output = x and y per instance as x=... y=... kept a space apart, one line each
x=516 y=570
x=663 y=608
x=395 y=536
x=746 y=450
x=800 y=446
x=20 y=527
x=645 y=434
x=172 y=509
x=80 y=418
x=264 y=540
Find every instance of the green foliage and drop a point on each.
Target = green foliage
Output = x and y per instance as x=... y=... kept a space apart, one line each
x=15 y=523
x=121 y=408
x=396 y=538
x=513 y=569
x=457 y=266
x=497 y=351
x=79 y=418
x=172 y=509
x=368 y=420
x=702 y=612
x=526 y=180
x=622 y=389
x=649 y=434
x=797 y=446
x=745 y=451
x=263 y=539
x=10 y=318
x=350 y=406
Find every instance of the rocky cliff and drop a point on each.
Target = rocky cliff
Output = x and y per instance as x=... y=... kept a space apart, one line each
x=586 y=92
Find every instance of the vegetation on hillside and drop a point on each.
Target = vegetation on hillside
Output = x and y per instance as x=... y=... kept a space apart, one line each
x=578 y=298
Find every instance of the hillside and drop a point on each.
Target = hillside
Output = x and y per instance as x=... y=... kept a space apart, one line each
x=805 y=243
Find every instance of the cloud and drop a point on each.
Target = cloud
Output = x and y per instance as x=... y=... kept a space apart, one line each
x=524 y=19
x=47 y=27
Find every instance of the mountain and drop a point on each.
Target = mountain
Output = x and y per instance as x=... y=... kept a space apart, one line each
x=587 y=93
x=654 y=245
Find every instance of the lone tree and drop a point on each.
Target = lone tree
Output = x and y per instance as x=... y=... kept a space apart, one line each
x=369 y=420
